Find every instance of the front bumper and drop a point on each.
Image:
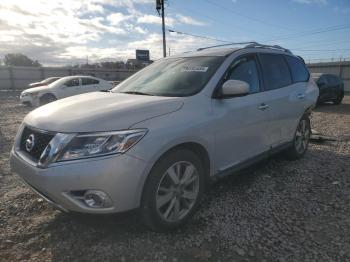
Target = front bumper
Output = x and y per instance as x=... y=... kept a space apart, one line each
x=27 y=100
x=121 y=177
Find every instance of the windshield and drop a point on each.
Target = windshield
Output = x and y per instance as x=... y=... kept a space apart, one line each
x=50 y=80
x=172 y=77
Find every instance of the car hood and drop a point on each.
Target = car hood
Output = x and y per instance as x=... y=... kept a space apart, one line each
x=100 y=111
x=36 y=89
x=36 y=84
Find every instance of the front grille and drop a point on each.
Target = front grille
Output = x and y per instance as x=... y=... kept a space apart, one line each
x=41 y=140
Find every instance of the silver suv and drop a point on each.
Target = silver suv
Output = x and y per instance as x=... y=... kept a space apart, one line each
x=157 y=139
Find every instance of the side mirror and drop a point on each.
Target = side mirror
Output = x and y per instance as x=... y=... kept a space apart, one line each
x=234 y=88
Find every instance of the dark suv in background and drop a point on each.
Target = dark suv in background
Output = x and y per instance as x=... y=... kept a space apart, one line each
x=331 y=88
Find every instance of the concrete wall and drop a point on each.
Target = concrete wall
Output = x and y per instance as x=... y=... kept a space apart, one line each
x=341 y=69
x=16 y=77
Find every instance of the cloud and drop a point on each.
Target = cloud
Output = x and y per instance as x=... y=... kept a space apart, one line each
x=116 y=18
x=319 y=2
x=153 y=19
x=64 y=31
x=337 y=9
x=170 y=21
x=189 y=20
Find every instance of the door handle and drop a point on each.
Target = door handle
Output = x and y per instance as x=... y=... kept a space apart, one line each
x=300 y=96
x=263 y=107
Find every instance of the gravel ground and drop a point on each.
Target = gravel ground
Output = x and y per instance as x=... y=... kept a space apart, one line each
x=275 y=211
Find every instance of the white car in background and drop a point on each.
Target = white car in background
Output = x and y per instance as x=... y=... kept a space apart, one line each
x=64 y=87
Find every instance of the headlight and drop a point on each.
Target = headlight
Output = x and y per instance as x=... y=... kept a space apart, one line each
x=29 y=94
x=99 y=144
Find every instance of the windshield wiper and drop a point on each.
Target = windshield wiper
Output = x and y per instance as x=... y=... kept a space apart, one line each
x=136 y=93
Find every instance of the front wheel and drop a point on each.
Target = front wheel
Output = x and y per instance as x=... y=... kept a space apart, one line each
x=173 y=190
x=47 y=98
x=301 y=139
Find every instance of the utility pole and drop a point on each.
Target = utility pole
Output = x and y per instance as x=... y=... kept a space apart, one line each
x=160 y=8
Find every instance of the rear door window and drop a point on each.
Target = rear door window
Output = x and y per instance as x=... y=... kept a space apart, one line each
x=275 y=71
x=89 y=81
x=298 y=69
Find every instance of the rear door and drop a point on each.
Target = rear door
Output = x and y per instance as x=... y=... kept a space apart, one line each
x=100 y=85
x=283 y=96
x=89 y=84
x=241 y=128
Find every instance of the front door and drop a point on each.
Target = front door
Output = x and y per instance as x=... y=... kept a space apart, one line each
x=242 y=130
x=70 y=88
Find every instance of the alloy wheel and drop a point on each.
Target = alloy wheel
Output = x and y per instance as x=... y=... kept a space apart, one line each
x=302 y=136
x=177 y=191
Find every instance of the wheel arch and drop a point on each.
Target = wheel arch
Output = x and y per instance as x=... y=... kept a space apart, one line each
x=47 y=94
x=194 y=147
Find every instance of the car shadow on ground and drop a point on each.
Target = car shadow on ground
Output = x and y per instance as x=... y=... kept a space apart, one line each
x=343 y=109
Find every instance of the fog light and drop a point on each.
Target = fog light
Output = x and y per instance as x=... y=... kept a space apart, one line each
x=96 y=199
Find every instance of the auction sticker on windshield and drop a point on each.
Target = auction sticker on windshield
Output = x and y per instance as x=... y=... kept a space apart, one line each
x=194 y=69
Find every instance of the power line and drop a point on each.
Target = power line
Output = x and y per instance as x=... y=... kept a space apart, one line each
x=321 y=43
x=227 y=9
x=311 y=32
x=322 y=50
x=198 y=36
x=225 y=41
x=245 y=29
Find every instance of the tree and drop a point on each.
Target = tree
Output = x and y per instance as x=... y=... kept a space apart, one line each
x=112 y=65
x=20 y=60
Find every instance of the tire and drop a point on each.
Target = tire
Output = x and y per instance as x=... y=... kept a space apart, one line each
x=27 y=104
x=301 y=139
x=167 y=202
x=47 y=98
x=338 y=100
x=318 y=102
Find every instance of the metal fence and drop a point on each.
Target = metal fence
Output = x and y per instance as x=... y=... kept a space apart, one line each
x=17 y=77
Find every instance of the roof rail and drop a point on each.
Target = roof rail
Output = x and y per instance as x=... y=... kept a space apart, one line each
x=275 y=47
x=250 y=44
x=228 y=44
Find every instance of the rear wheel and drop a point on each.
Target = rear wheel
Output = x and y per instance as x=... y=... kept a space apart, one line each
x=47 y=98
x=301 y=139
x=338 y=100
x=173 y=190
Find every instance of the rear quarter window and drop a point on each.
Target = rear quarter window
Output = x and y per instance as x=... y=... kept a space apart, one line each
x=275 y=71
x=298 y=69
